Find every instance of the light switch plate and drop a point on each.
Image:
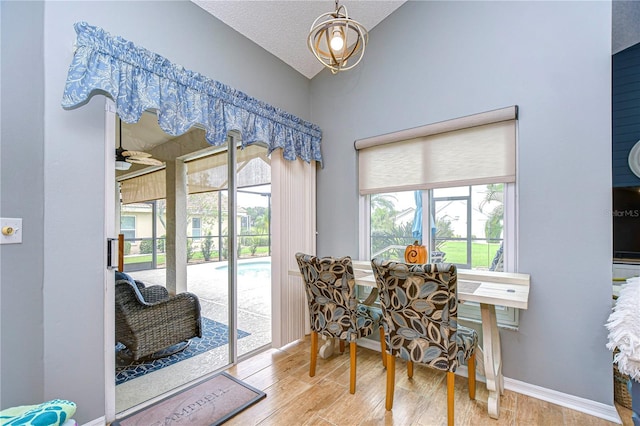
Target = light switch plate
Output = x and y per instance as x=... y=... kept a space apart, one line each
x=11 y=230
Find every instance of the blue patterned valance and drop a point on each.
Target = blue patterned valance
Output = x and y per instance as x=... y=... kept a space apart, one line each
x=140 y=80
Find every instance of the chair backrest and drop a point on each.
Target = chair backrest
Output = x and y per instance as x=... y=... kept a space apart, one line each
x=330 y=287
x=127 y=293
x=419 y=306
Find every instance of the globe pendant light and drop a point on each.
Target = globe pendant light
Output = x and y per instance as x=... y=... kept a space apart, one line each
x=337 y=41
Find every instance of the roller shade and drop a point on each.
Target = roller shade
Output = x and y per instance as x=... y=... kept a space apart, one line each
x=204 y=174
x=472 y=150
x=148 y=187
x=210 y=173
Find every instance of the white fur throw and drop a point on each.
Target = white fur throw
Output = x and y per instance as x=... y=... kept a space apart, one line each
x=624 y=329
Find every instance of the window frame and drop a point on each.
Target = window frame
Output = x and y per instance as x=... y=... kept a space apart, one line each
x=469 y=311
x=125 y=230
x=198 y=228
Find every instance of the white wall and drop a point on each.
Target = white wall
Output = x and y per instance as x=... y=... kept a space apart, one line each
x=432 y=61
x=21 y=195
x=52 y=324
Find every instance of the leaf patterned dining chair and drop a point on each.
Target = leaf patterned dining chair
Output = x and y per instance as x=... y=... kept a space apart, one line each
x=420 y=309
x=334 y=310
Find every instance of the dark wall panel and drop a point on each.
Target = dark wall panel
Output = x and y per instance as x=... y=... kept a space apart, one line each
x=625 y=113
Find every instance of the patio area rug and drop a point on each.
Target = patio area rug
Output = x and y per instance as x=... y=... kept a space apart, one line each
x=214 y=334
x=210 y=402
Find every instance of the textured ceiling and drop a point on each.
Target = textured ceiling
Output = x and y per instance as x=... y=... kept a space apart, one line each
x=281 y=27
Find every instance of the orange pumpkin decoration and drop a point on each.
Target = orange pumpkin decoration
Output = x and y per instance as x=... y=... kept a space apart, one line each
x=415 y=253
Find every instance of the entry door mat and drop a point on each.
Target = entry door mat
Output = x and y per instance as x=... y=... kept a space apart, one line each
x=211 y=402
x=214 y=334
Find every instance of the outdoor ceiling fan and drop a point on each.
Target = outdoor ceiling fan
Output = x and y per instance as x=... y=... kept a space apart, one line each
x=124 y=157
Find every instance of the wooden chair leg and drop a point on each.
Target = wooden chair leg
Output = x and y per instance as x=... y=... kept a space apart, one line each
x=314 y=353
x=410 y=369
x=471 y=369
x=383 y=347
x=391 y=380
x=352 y=377
x=451 y=379
x=341 y=346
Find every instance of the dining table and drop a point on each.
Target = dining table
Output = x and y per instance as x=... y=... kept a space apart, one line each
x=489 y=289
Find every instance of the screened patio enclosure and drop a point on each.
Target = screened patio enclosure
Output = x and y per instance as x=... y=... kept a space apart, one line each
x=143 y=214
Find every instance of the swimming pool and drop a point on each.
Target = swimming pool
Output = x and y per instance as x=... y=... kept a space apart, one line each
x=252 y=269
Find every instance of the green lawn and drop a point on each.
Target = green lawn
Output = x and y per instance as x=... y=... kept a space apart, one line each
x=482 y=254
x=143 y=258
x=197 y=255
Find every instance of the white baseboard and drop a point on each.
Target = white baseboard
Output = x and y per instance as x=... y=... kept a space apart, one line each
x=587 y=406
x=593 y=408
x=97 y=422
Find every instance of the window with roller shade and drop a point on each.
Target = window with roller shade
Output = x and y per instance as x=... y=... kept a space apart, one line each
x=448 y=185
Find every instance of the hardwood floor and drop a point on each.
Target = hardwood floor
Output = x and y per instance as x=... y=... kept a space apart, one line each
x=294 y=398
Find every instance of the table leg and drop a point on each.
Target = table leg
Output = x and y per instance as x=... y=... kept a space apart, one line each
x=326 y=350
x=492 y=358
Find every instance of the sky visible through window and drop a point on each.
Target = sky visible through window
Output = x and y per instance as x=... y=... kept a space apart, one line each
x=405 y=200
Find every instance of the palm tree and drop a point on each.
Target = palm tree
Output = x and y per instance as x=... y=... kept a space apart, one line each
x=261 y=222
x=383 y=211
x=493 y=226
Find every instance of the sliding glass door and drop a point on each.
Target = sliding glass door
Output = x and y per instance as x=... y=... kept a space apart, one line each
x=253 y=248
x=224 y=220
x=234 y=233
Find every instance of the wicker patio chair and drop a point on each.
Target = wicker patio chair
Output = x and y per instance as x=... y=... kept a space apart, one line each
x=149 y=320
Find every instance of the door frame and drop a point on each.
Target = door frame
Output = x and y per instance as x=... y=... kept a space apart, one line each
x=292 y=183
x=109 y=275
